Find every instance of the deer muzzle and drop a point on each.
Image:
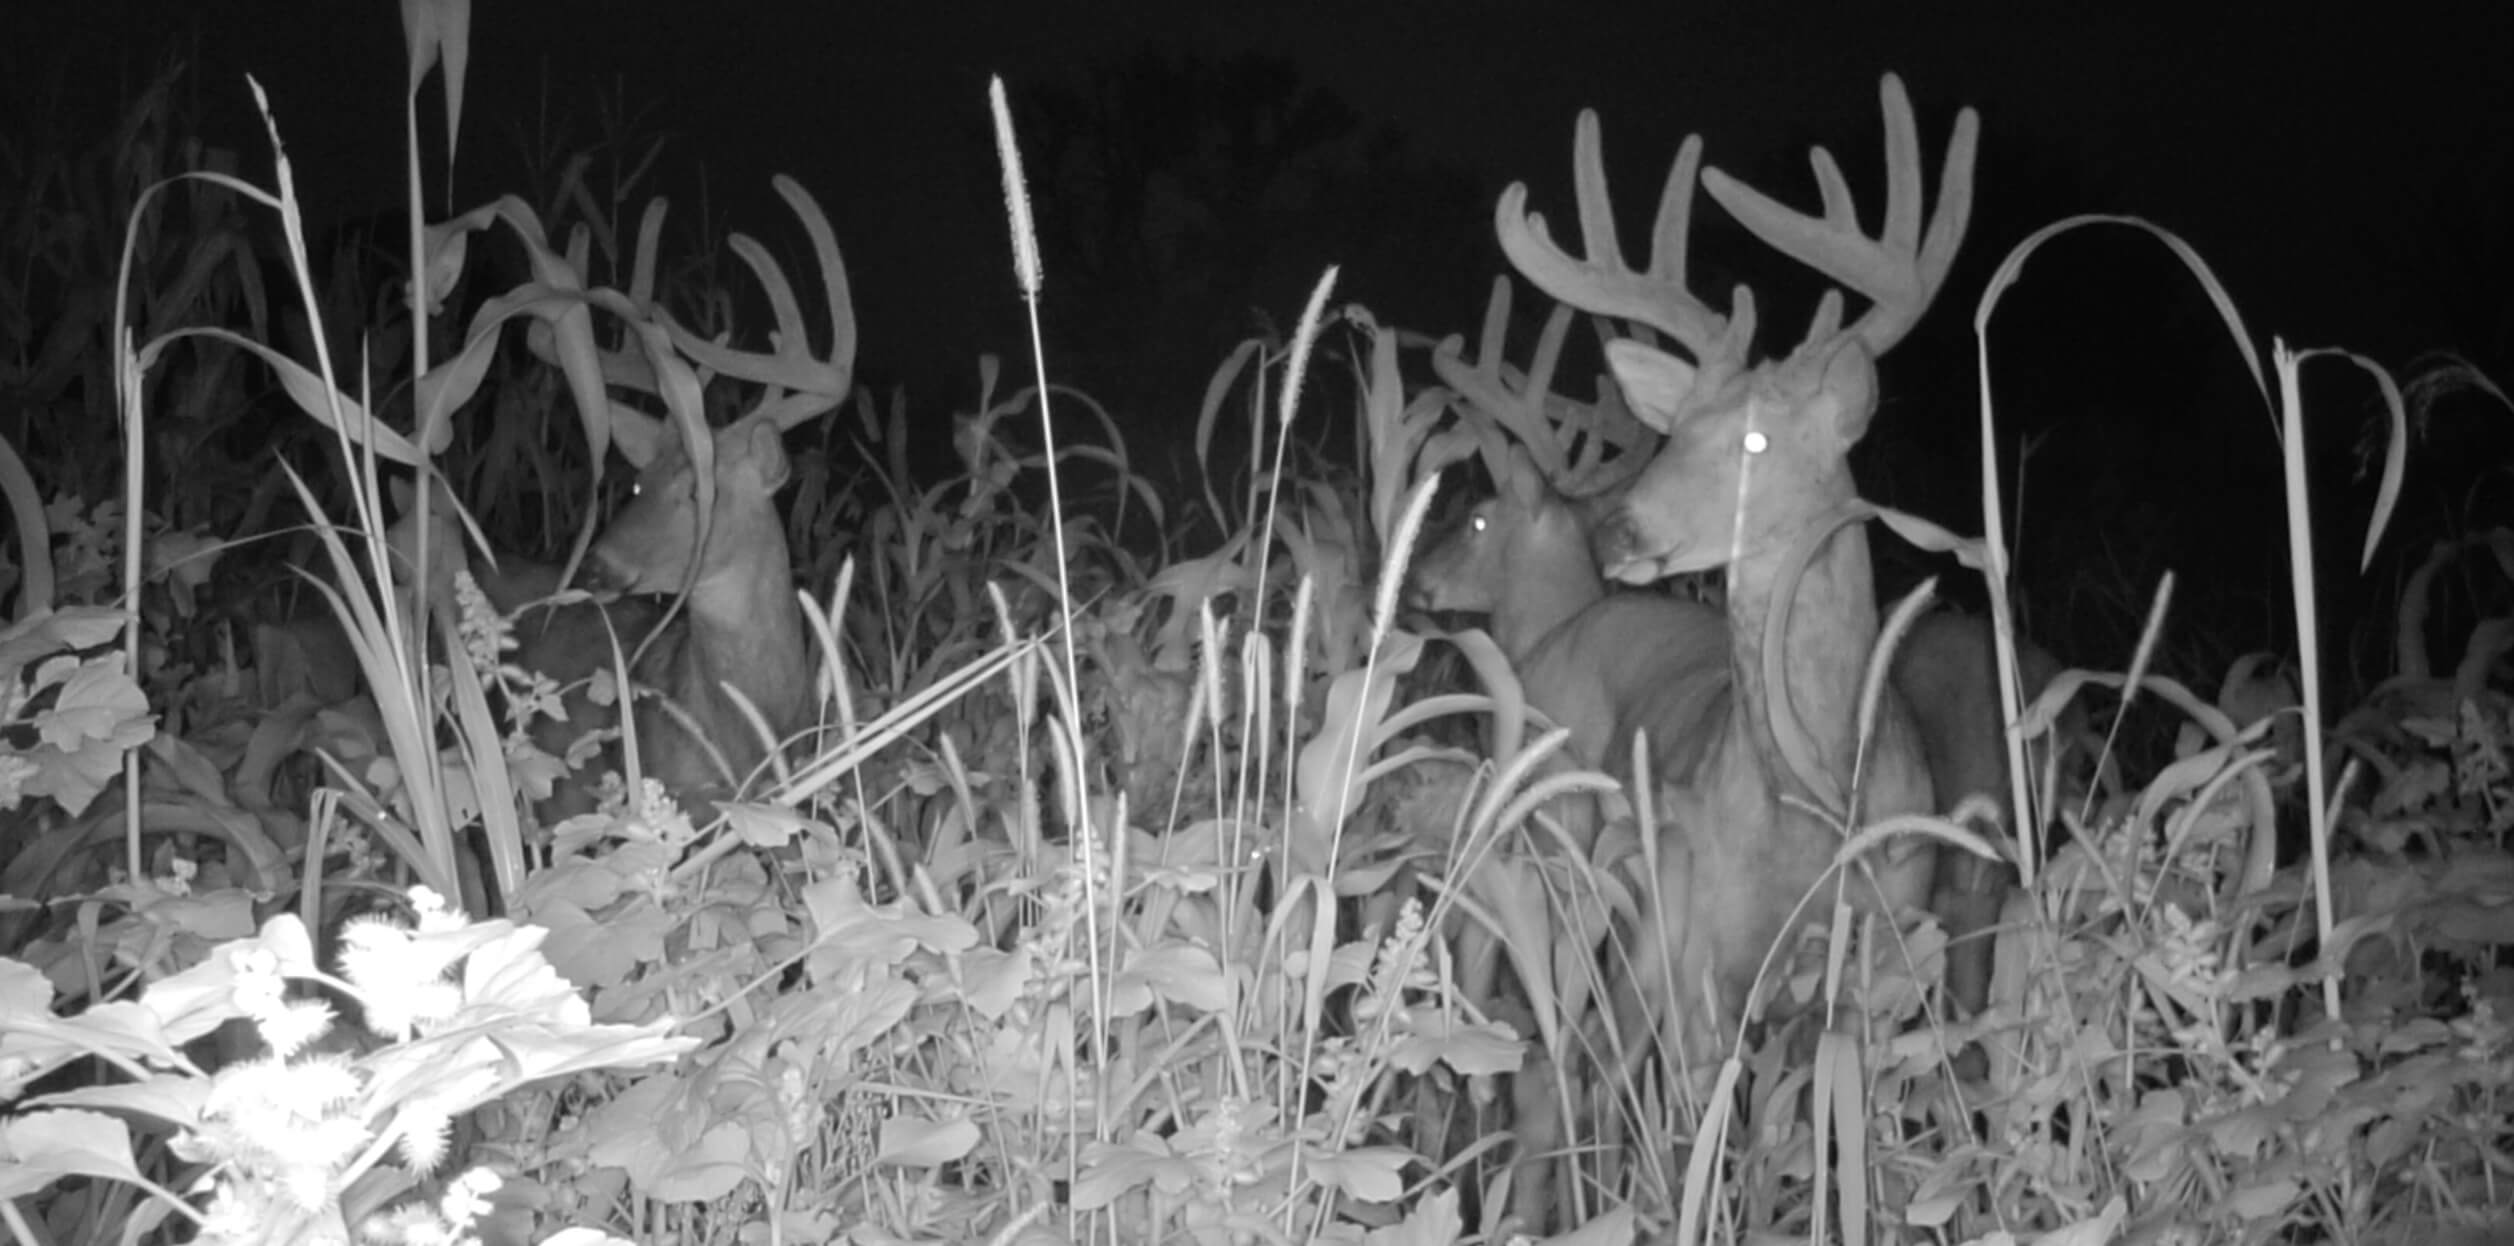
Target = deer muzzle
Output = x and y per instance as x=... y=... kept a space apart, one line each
x=1622 y=550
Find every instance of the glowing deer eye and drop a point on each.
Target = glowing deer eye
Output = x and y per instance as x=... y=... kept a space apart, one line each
x=1757 y=443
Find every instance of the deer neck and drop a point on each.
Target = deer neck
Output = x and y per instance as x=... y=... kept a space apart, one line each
x=1832 y=625
x=1547 y=593
x=744 y=630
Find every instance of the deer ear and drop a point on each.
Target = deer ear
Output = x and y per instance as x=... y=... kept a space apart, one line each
x=400 y=491
x=1655 y=383
x=1850 y=385
x=639 y=436
x=768 y=454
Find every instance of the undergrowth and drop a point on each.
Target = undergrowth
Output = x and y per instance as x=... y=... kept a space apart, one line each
x=1111 y=895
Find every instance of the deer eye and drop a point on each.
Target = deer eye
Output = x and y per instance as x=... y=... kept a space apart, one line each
x=1757 y=443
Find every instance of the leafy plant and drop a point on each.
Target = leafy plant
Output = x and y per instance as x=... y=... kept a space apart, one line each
x=69 y=710
x=296 y=1145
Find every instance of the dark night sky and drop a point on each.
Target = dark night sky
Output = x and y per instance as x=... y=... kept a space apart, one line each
x=2282 y=146
x=2347 y=167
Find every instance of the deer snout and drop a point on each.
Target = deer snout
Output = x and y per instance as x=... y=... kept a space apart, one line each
x=1616 y=540
x=1437 y=586
x=603 y=577
x=1431 y=567
x=1629 y=550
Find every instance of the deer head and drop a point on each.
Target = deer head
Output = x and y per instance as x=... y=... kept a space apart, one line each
x=1753 y=450
x=650 y=545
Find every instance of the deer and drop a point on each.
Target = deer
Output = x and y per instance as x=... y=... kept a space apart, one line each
x=1751 y=479
x=1607 y=663
x=740 y=630
x=1604 y=665
x=1760 y=762
x=738 y=635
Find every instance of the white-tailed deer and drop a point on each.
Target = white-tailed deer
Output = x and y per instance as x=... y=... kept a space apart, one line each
x=1602 y=664
x=1606 y=663
x=740 y=630
x=1753 y=477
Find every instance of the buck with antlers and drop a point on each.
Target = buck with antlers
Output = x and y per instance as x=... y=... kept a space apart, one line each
x=729 y=674
x=1753 y=477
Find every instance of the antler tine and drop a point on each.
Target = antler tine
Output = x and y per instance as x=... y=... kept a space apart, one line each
x=1487 y=386
x=1602 y=282
x=1603 y=428
x=1565 y=440
x=801 y=385
x=1901 y=269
